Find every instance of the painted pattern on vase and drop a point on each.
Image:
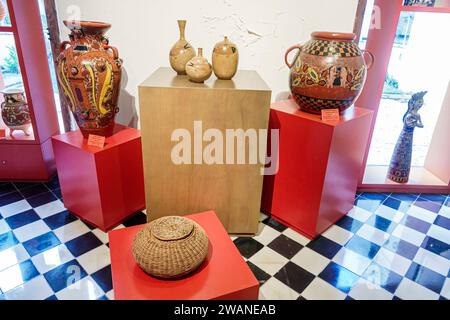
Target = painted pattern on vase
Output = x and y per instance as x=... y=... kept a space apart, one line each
x=400 y=166
x=181 y=52
x=225 y=59
x=329 y=72
x=90 y=72
x=15 y=111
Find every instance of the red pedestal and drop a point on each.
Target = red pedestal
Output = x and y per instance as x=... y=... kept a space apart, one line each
x=26 y=161
x=223 y=276
x=101 y=186
x=319 y=165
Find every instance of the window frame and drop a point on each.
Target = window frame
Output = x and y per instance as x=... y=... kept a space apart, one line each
x=380 y=42
x=12 y=29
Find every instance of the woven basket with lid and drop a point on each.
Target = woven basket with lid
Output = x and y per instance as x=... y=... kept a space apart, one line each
x=170 y=247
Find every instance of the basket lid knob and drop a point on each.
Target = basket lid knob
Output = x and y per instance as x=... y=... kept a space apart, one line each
x=172 y=228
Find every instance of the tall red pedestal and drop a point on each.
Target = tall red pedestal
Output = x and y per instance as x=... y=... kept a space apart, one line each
x=319 y=166
x=101 y=186
x=223 y=276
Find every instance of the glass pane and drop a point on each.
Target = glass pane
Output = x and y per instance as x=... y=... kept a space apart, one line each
x=368 y=23
x=5 y=21
x=11 y=81
x=51 y=64
x=413 y=68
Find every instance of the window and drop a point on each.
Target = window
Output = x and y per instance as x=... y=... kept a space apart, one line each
x=11 y=77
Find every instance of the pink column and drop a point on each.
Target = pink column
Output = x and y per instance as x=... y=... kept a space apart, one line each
x=379 y=42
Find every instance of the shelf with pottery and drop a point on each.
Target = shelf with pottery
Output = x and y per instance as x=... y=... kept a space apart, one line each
x=106 y=156
x=170 y=102
x=31 y=110
x=434 y=175
x=322 y=136
x=214 y=96
x=17 y=136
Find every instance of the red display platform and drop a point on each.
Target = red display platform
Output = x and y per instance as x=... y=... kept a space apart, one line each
x=319 y=165
x=101 y=186
x=223 y=276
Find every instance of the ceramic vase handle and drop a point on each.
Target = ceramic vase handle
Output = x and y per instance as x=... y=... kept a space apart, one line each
x=63 y=45
x=297 y=46
x=114 y=50
x=371 y=60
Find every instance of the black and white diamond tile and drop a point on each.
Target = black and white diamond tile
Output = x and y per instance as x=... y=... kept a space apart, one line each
x=390 y=246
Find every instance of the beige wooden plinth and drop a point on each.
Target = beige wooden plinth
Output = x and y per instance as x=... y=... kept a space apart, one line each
x=169 y=102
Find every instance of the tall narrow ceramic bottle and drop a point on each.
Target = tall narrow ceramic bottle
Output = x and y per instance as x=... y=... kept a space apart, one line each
x=181 y=52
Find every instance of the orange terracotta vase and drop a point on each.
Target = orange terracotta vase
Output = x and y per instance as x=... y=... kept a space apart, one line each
x=90 y=72
x=329 y=72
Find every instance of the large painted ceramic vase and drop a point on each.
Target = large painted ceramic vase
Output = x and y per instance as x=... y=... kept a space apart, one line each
x=15 y=111
x=90 y=71
x=328 y=72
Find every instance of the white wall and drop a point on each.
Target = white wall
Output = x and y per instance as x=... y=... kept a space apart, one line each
x=145 y=30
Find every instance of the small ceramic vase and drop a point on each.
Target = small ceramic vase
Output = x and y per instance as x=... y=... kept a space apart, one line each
x=198 y=68
x=181 y=52
x=15 y=111
x=225 y=59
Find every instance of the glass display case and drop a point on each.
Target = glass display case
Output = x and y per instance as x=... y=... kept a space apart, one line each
x=408 y=61
x=11 y=78
x=28 y=116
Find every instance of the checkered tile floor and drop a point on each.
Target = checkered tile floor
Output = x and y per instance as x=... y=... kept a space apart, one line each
x=392 y=246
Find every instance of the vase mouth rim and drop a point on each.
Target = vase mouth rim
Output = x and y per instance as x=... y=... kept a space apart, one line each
x=12 y=91
x=337 y=36
x=88 y=26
